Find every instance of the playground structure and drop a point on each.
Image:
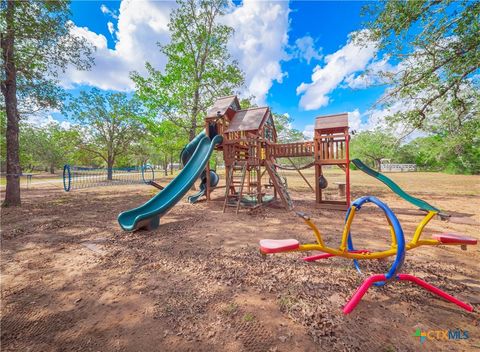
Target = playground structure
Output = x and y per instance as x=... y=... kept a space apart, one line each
x=249 y=137
x=248 y=140
x=397 y=248
x=332 y=149
x=251 y=150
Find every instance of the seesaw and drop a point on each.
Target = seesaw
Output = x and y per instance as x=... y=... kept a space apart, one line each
x=398 y=249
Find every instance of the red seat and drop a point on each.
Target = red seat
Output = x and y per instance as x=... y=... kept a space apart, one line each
x=452 y=238
x=276 y=246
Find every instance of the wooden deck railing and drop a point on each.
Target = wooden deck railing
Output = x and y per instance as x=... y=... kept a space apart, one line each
x=332 y=150
x=291 y=149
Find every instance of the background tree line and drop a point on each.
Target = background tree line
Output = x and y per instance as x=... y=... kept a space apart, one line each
x=437 y=48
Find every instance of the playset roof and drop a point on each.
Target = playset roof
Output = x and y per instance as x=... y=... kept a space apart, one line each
x=331 y=121
x=222 y=104
x=248 y=120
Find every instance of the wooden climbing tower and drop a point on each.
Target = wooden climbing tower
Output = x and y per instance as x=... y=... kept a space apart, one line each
x=250 y=151
x=331 y=142
x=248 y=136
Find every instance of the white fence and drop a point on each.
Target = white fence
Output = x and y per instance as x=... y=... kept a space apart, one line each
x=398 y=167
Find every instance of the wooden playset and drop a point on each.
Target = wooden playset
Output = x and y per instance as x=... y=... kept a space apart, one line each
x=250 y=151
x=248 y=140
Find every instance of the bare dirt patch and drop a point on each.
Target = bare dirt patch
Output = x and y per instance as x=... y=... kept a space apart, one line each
x=73 y=281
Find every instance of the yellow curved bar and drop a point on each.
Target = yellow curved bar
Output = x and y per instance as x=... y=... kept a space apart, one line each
x=421 y=226
x=345 y=254
x=315 y=231
x=346 y=229
x=392 y=234
x=342 y=252
x=370 y=255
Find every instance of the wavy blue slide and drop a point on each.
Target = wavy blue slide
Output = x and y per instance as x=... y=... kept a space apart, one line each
x=148 y=215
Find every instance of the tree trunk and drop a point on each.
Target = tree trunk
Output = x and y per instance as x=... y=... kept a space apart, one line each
x=171 y=163
x=9 y=90
x=52 y=169
x=193 y=127
x=378 y=163
x=192 y=133
x=110 y=169
x=165 y=165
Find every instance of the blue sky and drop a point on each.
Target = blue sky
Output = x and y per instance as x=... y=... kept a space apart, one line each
x=297 y=55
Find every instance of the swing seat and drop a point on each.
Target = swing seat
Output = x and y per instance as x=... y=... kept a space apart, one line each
x=277 y=246
x=451 y=238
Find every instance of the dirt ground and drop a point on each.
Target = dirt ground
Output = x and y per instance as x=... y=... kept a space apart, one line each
x=73 y=281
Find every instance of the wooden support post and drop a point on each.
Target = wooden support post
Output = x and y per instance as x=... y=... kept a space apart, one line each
x=318 y=193
x=259 y=186
x=317 y=152
x=347 y=166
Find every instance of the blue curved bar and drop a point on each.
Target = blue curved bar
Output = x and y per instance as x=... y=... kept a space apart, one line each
x=146 y=167
x=400 y=256
x=67 y=175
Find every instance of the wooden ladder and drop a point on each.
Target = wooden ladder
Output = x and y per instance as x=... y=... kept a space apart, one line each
x=232 y=181
x=279 y=186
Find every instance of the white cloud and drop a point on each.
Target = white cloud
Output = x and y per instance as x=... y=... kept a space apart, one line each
x=305 y=49
x=349 y=59
x=141 y=24
x=106 y=11
x=43 y=120
x=308 y=131
x=259 y=43
x=375 y=119
x=111 y=28
x=354 y=119
x=372 y=75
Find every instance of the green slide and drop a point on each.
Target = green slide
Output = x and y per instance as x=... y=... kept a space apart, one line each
x=148 y=215
x=394 y=187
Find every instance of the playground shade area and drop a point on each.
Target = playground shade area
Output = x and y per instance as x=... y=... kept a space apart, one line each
x=73 y=280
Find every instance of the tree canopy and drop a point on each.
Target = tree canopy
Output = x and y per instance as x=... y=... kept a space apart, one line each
x=110 y=123
x=198 y=70
x=285 y=132
x=437 y=50
x=373 y=146
x=50 y=145
x=433 y=83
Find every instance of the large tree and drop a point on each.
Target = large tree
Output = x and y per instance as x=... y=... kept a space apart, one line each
x=110 y=122
x=285 y=131
x=50 y=146
x=198 y=69
x=37 y=43
x=373 y=146
x=435 y=46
